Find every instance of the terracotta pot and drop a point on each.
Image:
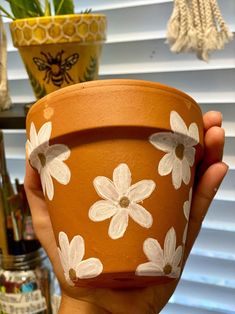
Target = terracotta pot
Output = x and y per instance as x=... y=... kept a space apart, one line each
x=59 y=50
x=117 y=163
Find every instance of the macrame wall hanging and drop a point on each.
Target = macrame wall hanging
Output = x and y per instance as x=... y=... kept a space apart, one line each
x=5 y=101
x=197 y=26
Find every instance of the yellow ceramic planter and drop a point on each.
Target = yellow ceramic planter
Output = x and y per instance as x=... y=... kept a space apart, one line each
x=59 y=50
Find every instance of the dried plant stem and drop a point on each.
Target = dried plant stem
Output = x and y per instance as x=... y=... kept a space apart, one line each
x=4 y=97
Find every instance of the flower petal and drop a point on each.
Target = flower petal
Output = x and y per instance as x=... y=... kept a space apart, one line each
x=59 y=151
x=140 y=215
x=59 y=170
x=64 y=261
x=64 y=244
x=189 y=154
x=89 y=268
x=166 y=164
x=47 y=183
x=154 y=252
x=177 y=123
x=186 y=208
x=29 y=148
x=102 y=210
x=169 y=246
x=177 y=174
x=122 y=178
x=76 y=251
x=118 y=224
x=193 y=134
x=149 y=269
x=44 y=133
x=186 y=173
x=177 y=256
x=33 y=136
x=164 y=141
x=141 y=190
x=106 y=189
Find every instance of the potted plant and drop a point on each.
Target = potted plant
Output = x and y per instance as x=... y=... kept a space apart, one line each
x=58 y=47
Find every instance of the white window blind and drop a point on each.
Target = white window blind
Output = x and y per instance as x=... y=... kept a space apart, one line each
x=136 y=49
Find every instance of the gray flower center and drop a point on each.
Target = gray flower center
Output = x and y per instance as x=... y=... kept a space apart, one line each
x=124 y=202
x=179 y=151
x=167 y=269
x=42 y=159
x=72 y=274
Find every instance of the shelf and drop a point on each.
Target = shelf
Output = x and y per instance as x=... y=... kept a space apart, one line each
x=13 y=118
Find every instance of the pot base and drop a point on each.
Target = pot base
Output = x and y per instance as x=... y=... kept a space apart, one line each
x=122 y=281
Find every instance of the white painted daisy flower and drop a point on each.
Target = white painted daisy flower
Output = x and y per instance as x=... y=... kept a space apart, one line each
x=48 y=159
x=71 y=255
x=120 y=200
x=178 y=145
x=161 y=262
x=186 y=208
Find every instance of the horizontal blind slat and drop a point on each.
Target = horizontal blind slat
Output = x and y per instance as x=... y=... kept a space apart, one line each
x=153 y=56
x=174 y=308
x=201 y=83
x=205 y=296
x=203 y=87
x=220 y=214
x=218 y=272
x=103 y=5
x=215 y=243
x=139 y=68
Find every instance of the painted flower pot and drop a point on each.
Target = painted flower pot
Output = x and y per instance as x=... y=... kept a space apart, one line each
x=117 y=161
x=59 y=50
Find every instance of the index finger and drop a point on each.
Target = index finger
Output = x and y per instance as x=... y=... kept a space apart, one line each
x=32 y=179
x=212 y=118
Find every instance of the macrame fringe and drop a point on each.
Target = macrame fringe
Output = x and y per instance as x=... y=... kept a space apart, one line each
x=197 y=26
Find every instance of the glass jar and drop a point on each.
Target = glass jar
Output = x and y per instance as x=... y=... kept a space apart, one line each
x=25 y=284
x=55 y=294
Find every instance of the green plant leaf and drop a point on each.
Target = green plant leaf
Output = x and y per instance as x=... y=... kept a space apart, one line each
x=22 y=9
x=87 y=11
x=39 y=90
x=38 y=6
x=7 y=14
x=63 y=7
x=47 y=11
x=90 y=71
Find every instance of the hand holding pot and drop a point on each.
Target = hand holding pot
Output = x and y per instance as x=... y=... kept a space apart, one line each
x=139 y=301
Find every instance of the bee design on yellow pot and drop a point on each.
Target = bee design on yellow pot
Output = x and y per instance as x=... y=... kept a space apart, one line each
x=56 y=68
x=59 y=50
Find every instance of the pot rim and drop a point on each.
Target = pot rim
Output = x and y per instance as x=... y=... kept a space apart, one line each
x=83 y=30
x=57 y=17
x=121 y=82
x=87 y=116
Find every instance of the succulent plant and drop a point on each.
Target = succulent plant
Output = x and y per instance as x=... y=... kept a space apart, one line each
x=21 y=9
